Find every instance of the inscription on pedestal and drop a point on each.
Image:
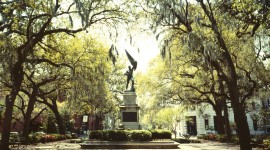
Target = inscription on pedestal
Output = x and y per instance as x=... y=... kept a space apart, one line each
x=130 y=111
x=130 y=117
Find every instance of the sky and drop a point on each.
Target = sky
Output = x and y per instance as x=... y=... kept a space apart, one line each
x=144 y=49
x=144 y=41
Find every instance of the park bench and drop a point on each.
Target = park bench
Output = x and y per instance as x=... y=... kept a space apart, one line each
x=16 y=140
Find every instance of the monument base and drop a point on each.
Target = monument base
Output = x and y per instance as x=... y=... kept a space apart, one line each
x=132 y=125
x=130 y=111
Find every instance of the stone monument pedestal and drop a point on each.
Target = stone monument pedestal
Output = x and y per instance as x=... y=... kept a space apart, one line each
x=130 y=111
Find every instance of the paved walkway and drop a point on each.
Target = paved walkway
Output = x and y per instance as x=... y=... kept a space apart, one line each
x=211 y=146
x=64 y=145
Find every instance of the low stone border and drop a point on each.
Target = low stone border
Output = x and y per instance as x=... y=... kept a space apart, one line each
x=75 y=140
x=129 y=145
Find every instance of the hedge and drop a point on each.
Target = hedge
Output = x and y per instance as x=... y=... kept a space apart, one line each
x=219 y=138
x=114 y=135
x=161 y=134
x=32 y=138
x=96 y=135
x=129 y=135
x=140 y=135
x=183 y=140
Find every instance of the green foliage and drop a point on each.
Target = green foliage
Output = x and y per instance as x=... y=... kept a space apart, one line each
x=30 y=33
x=125 y=135
x=222 y=138
x=117 y=135
x=51 y=124
x=161 y=134
x=109 y=135
x=214 y=137
x=181 y=140
x=140 y=135
x=266 y=143
x=43 y=138
x=66 y=119
x=219 y=138
x=36 y=138
x=96 y=135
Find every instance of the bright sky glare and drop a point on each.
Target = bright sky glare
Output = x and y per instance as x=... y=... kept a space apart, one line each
x=144 y=49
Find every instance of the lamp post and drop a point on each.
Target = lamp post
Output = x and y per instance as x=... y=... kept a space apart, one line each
x=84 y=124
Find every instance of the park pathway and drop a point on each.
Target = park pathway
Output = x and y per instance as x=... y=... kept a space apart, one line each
x=64 y=145
x=211 y=146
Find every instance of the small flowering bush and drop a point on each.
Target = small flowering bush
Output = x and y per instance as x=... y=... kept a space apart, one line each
x=33 y=138
x=219 y=138
x=212 y=137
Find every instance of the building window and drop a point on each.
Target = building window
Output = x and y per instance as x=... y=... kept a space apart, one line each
x=215 y=123
x=255 y=124
x=206 y=122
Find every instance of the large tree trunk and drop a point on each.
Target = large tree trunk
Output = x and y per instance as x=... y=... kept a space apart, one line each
x=231 y=80
x=30 y=108
x=60 y=122
x=220 y=120
x=240 y=119
x=238 y=109
x=58 y=117
x=225 y=109
x=17 y=77
x=7 y=120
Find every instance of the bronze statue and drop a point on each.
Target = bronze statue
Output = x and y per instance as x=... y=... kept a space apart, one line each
x=129 y=72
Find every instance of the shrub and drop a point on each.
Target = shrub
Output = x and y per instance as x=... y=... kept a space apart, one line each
x=258 y=139
x=37 y=138
x=202 y=136
x=109 y=135
x=266 y=143
x=117 y=135
x=183 y=140
x=49 y=138
x=221 y=138
x=33 y=138
x=211 y=137
x=96 y=135
x=235 y=139
x=140 y=135
x=68 y=136
x=161 y=134
x=125 y=135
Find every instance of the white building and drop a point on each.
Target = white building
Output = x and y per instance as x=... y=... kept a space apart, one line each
x=196 y=122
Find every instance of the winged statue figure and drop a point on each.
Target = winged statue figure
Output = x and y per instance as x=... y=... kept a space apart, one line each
x=129 y=72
